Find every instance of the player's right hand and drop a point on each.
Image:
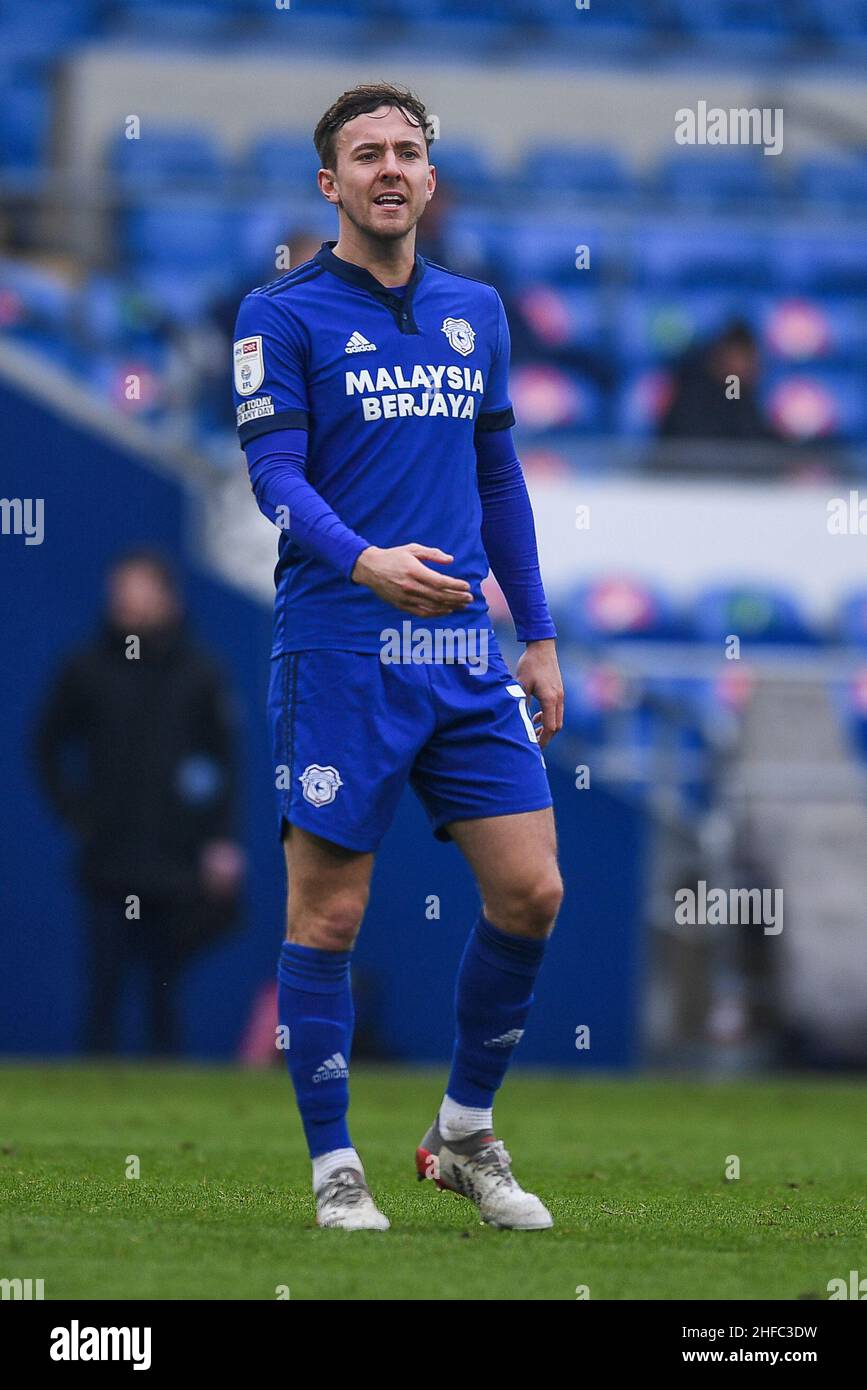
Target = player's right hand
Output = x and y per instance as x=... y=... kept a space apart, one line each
x=397 y=575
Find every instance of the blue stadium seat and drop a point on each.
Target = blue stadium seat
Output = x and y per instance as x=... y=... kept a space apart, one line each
x=642 y=400
x=820 y=262
x=195 y=21
x=37 y=38
x=190 y=234
x=835 y=182
x=281 y=161
x=703 y=254
x=814 y=329
x=592 y=171
x=727 y=177
x=615 y=20
x=529 y=250
x=24 y=123
x=547 y=398
x=852 y=619
x=33 y=298
x=566 y=318
x=168 y=158
x=754 y=613
x=842 y=19
x=653 y=326
x=813 y=404
x=463 y=166
x=618 y=608
x=110 y=312
x=737 y=19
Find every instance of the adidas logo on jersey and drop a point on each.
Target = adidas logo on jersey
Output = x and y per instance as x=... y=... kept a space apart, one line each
x=333 y=1069
x=510 y=1039
x=358 y=343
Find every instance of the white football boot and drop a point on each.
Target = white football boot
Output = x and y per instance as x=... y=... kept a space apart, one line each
x=344 y=1201
x=478 y=1167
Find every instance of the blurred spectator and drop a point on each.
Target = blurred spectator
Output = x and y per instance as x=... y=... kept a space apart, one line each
x=135 y=752
x=701 y=405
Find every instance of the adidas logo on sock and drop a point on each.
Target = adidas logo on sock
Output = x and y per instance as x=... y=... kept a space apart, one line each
x=358 y=343
x=509 y=1039
x=335 y=1067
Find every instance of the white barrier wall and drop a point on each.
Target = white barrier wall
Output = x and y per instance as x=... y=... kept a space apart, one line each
x=686 y=535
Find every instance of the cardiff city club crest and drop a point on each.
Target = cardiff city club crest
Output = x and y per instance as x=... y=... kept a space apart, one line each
x=320 y=784
x=461 y=336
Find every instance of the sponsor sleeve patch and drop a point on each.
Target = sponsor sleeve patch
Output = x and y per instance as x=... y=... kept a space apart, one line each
x=254 y=410
x=249 y=365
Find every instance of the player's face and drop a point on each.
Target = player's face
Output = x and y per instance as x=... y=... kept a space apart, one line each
x=383 y=180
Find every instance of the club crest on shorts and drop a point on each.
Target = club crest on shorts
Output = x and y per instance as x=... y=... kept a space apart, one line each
x=461 y=336
x=249 y=365
x=320 y=784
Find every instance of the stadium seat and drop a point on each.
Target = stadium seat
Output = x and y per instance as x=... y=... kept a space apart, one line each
x=818 y=261
x=643 y=398
x=464 y=166
x=752 y=613
x=738 y=20
x=526 y=250
x=701 y=255
x=725 y=178
x=595 y=172
x=33 y=298
x=839 y=183
x=279 y=160
x=566 y=318
x=852 y=619
x=814 y=329
x=817 y=404
x=619 y=608
x=547 y=398
x=653 y=326
x=842 y=19
x=25 y=113
x=193 y=234
x=169 y=158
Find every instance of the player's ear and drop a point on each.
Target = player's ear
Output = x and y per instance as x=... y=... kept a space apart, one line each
x=327 y=185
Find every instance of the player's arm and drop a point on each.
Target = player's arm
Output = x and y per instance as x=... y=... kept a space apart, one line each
x=509 y=538
x=273 y=418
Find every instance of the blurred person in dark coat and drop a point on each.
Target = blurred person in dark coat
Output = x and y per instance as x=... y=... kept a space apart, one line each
x=135 y=750
x=701 y=407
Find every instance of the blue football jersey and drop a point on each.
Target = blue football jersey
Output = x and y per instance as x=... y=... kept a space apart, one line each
x=391 y=388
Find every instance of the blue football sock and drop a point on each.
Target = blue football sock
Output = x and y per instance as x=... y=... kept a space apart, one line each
x=314 y=1002
x=493 y=995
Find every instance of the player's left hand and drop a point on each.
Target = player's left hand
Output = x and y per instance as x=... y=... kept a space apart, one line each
x=538 y=673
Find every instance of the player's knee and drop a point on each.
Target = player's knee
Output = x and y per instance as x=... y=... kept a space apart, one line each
x=329 y=924
x=531 y=908
x=544 y=899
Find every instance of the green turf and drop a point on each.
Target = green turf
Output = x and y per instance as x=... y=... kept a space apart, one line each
x=632 y=1170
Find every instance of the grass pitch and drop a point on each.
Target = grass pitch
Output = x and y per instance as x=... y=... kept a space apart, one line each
x=633 y=1172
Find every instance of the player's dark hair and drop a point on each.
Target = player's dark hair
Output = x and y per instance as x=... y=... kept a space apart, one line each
x=358 y=102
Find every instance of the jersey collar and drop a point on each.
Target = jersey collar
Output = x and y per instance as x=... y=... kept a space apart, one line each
x=401 y=308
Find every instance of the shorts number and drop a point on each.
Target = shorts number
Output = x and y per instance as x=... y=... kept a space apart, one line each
x=519 y=695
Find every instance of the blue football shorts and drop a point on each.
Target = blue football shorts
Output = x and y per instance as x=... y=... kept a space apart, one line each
x=349 y=730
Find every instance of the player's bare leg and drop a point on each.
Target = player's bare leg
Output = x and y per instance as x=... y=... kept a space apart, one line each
x=328 y=888
x=514 y=859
